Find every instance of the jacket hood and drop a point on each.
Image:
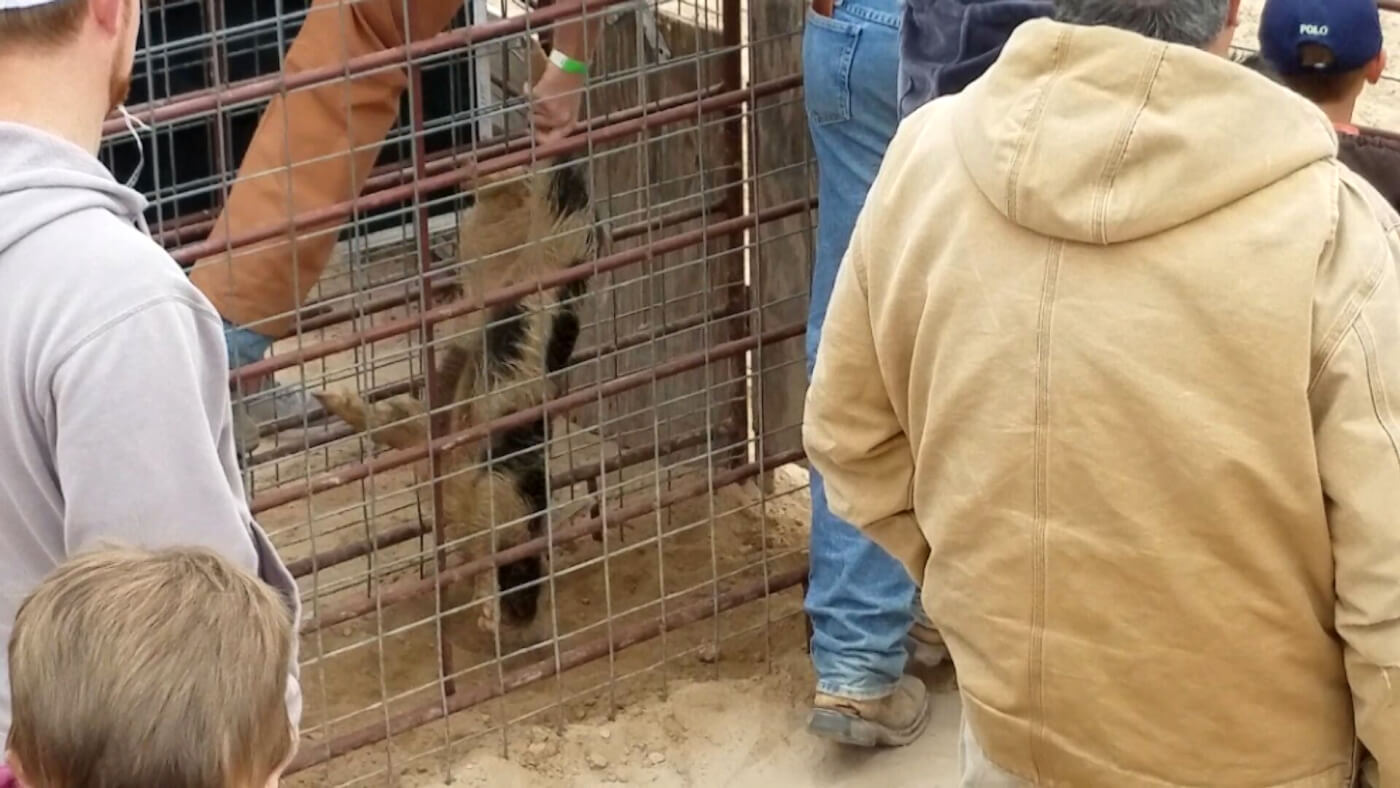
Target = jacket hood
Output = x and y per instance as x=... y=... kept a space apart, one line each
x=44 y=178
x=1098 y=135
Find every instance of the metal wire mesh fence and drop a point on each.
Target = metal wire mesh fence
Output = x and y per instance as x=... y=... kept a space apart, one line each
x=528 y=431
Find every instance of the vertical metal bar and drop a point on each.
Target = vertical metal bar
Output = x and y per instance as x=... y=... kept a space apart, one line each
x=218 y=68
x=481 y=74
x=734 y=183
x=436 y=421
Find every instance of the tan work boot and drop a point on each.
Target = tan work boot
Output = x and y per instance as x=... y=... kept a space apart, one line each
x=892 y=721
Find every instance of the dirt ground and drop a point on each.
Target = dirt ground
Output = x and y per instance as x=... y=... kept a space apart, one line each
x=717 y=702
x=738 y=732
x=357 y=673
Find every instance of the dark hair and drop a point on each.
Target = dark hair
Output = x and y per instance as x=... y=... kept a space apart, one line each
x=1323 y=87
x=48 y=24
x=1193 y=23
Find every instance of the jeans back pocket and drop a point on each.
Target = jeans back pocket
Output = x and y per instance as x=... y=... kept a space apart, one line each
x=828 y=47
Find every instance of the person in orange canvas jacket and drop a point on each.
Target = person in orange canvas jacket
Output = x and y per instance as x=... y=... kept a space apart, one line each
x=331 y=135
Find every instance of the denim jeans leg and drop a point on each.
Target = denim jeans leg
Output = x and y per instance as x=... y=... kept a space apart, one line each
x=859 y=599
x=244 y=345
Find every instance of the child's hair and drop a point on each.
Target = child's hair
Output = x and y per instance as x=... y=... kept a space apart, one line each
x=135 y=669
x=1323 y=86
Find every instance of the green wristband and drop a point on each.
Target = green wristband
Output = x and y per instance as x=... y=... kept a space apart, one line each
x=567 y=64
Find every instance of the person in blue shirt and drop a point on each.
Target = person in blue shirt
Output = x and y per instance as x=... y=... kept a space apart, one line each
x=867 y=64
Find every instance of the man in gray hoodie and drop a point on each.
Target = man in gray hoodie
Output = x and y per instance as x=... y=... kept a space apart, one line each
x=114 y=403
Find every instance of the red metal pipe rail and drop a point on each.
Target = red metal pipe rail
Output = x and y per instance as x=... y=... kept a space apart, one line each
x=198 y=102
x=316 y=414
x=330 y=215
x=405 y=533
x=198 y=223
x=289 y=448
x=732 y=270
x=509 y=294
x=398 y=458
x=313 y=753
x=349 y=552
x=438 y=422
x=322 y=315
x=462 y=571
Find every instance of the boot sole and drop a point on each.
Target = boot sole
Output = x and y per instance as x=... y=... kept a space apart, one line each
x=855 y=732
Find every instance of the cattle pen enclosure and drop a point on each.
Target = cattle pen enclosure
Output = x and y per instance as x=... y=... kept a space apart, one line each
x=671 y=537
x=448 y=622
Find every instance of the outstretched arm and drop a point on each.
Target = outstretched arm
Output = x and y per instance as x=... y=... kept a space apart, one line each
x=556 y=98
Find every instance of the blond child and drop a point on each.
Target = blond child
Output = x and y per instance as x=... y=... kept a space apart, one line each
x=132 y=668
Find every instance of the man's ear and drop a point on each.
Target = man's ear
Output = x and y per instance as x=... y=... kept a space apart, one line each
x=109 y=14
x=1376 y=68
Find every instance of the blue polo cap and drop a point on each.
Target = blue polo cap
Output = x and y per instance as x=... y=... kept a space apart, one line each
x=1349 y=29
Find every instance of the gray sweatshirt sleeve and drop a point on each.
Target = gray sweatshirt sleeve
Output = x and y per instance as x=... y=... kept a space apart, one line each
x=144 y=444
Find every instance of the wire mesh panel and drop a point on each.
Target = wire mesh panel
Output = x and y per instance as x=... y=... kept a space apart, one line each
x=528 y=436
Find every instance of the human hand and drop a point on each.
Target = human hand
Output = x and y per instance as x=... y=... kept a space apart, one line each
x=554 y=103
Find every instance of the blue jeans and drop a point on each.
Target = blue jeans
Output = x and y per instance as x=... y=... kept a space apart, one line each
x=859 y=599
x=245 y=346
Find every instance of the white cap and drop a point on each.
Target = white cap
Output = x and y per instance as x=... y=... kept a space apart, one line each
x=7 y=5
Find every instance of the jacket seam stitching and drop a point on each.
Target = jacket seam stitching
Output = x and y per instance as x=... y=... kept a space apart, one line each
x=198 y=309
x=1040 y=494
x=1380 y=404
x=1114 y=163
x=1042 y=101
x=1357 y=303
x=1358 y=298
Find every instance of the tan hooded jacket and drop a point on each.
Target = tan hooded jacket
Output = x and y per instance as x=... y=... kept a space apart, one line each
x=1113 y=367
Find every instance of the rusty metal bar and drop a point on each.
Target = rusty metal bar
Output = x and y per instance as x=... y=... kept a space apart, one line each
x=317 y=414
x=198 y=102
x=198 y=223
x=323 y=315
x=314 y=753
x=439 y=282
x=582 y=473
x=289 y=448
x=505 y=295
x=401 y=457
x=461 y=571
x=437 y=422
x=733 y=264
x=349 y=552
x=331 y=215
x=184 y=226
